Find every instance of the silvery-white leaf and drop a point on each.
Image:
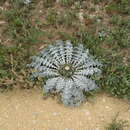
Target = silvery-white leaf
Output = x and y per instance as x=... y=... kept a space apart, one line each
x=50 y=84
x=27 y=1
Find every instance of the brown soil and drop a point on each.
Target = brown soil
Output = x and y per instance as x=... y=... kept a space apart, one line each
x=26 y=110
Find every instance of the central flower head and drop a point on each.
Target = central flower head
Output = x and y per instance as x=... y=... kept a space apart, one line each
x=67 y=68
x=67 y=71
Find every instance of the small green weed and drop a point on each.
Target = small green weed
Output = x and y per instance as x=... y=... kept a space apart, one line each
x=66 y=18
x=66 y=2
x=99 y=1
x=117 y=124
x=119 y=6
x=120 y=21
x=117 y=81
x=90 y=40
x=119 y=37
x=51 y=17
x=48 y=3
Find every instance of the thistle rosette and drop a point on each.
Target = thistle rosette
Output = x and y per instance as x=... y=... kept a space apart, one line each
x=67 y=69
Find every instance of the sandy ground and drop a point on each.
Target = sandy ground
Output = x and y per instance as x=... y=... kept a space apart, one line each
x=26 y=110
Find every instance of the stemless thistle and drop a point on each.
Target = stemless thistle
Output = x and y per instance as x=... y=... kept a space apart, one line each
x=67 y=69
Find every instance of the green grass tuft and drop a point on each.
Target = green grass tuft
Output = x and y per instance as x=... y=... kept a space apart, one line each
x=117 y=124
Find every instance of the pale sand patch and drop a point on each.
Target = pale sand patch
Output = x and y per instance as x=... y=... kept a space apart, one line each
x=26 y=110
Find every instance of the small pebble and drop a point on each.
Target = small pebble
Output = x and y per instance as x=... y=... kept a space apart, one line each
x=107 y=107
x=55 y=113
x=98 y=20
x=102 y=119
x=40 y=11
x=104 y=100
x=87 y=113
